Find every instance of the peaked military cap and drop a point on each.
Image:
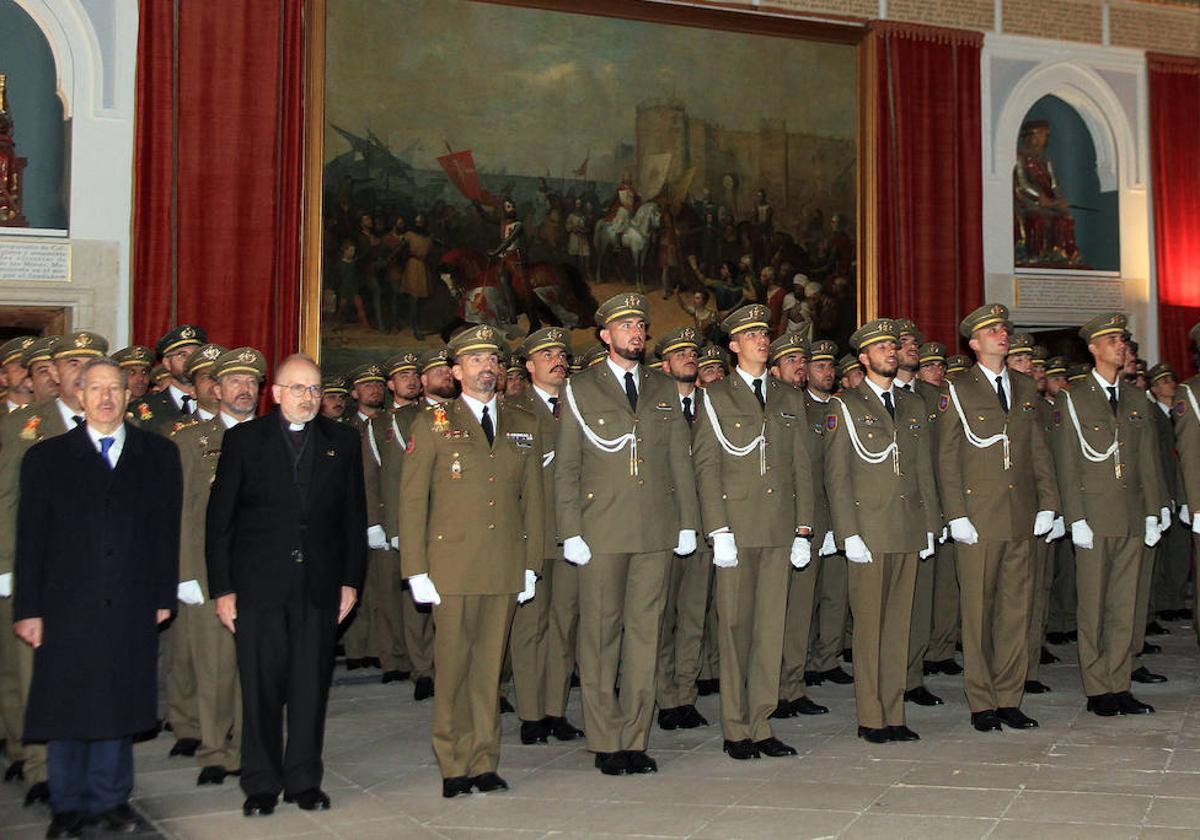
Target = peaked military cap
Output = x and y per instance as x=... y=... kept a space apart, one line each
x=753 y=316
x=239 y=360
x=984 y=316
x=680 y=339
x=873 y=332
x=594 y=355
x=334 y=385
x=1101 y=325
x=848 y=364
x=544 y=339
x=1039 y=355
x=623 y=305
x=13 y=349
x=712 y=354
x=1160 y=371
x=402 y=361
x=515 y=363
x=481 y=337
x=367 y=372
x=1077 y=372
x=158 y=373
x=201 y=359
x=957 y=363
x=1056 y=366
x=136 y=355
x=434 y=357
x=823 y=350
x=182 y=336
x=932 y=352
x=906 y=326
x=787 y=344
x=81 y=343
x=1018 y=343
x=657 y=364
x=41 y=350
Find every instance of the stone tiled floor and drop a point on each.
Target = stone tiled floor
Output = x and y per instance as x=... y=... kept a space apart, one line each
x=1076 y=776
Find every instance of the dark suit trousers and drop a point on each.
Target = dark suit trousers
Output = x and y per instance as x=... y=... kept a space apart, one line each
x=285 y=658
x=89 y=776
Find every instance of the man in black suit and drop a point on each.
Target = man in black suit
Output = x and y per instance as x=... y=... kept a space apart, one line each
x=286 y=550
x=96 y=571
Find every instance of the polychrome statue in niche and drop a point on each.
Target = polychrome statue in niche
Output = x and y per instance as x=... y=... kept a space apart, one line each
x=1043 y=227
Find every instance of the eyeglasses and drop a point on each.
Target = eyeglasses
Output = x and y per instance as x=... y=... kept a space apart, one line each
x=298 y=391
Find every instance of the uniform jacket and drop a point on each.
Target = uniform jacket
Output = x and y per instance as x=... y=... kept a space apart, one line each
x=816 y=413
x=1168 y=457
x=393 y=440
x=473 y=510
x=370 y=435
x=1187 y=440
x=764 y=495
x=18 y=432
x=617 y=506
x=892 y=504
x=199 y=451
x=973 y=482
x=97 y=556
x=267 y=522
x=547 y=425
x=156 y=413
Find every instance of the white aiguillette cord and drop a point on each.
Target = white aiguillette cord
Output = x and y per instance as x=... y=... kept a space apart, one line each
x=605 y=444
x=759 y=443
x=1192 y=399
x=974 y=439
x=1094 y=455
x=892 y=450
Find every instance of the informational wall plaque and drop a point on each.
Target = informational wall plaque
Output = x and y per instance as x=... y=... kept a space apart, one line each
x=1069 y=293
x=35 y=261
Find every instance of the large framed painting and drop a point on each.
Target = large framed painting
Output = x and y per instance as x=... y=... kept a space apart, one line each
x=514 y=163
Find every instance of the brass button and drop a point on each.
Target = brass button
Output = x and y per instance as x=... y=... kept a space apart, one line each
x=723 y=496
x=737 y=425
x=439 y=536
x=491 y=454
x=1011 y=486
x=770 y=490
x=455 y=454
x=491 y=502
x=492 y=479
x=968 y=491
x=491 y=526
x=590 y=496
x=870 y=434
x=641 y=482
x=601 y=421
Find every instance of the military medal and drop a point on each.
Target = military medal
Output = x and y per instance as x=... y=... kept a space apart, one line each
x=440 y=421
x=30 y=432
x=455 y=470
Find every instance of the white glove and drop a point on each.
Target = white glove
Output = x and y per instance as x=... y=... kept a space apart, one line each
x=945 y=535
x=376 y=538
x=576 y=551
x=1196 y=524
x=1153 y=531
x=829 y=546
x=928 y=552
x=1166 y=518
x=724 y=550
x=1059 y=529
x=189 y=592
x=395 y=543
x=856 y=550
x=1081 y=534
x=6 y=585
x=1043 y=522
x=801 y=552
x=1185 y=515
x=526 y=594
x=963 y=531
x=687 y=543
x=422 y=589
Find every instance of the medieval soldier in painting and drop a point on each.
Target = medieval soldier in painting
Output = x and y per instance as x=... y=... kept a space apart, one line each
x=1043 y=226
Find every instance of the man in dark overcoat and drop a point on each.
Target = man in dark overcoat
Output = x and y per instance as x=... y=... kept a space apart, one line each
x=96 y=572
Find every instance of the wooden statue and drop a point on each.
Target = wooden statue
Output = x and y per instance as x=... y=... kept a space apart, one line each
x=11 y=166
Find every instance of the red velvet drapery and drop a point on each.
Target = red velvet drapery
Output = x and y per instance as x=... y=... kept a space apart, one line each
x=1174 y=126
x=218 y=172
x=927 y=174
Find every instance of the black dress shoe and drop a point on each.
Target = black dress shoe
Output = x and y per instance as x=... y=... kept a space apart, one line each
x=1130 y=705
x=372 y=662
x=690 y=717
x=534 y=732
x=394 y=676
x=561 y=728
x=1014 y=718
x=488 y=782
x=668 y=718
x=506 y=708
x=740 y=750
x=313 y=799
x=837 y=675
x=259 y=805
x=455 y=785
x=928 y=668
x=773 y=748
x=873 y=735
x=804 y=706
x=213 y=774
x=423 y=689
x=1036 y=687
x=985 y=721
x=355 y=664
x=1054 y=637
x=812 y=678
x=38 y=792
x=1047 y=657
x=185 y=747
x=1153 y=628
x=1104 y=705
x=612 y=764
x=15 y=772
x=67 y=824
x=707 y=687
x=902 y=733
x=1142 y=674
x=1149 y=649
x=119 y=820
x=948 y=667
x=1184 y=614
x=783 y=709
x=1072 y=636
x=639 y=762
x=922 y=696
x=848 y=655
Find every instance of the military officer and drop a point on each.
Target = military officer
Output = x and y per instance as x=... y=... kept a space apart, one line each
x=999 y=494
x=198 y=373
x=1113 y=497
x=884 y=507
x=136 y=360
x=1174 y=559
x=404 y=380
x=1060 y=618
x=159 y=379
x=850 y=373
x=177 y=399
x=712 y=365
x=956 y=364
x=1187 y=444
x=334 y=390
x=206 y=703
x=20 y=388
x=472 y=492
x=625 y=492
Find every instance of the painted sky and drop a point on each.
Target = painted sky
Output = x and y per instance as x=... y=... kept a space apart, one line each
x=530 y=91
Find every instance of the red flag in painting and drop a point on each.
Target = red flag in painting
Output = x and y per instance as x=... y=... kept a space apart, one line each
x=460 y=169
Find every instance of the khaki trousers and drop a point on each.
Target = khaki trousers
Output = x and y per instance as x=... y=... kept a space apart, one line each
x=996 y=581
x=527 y=648
x=1063 y=596
x=468 y=650
x=562 y=636
x=1171 y=570
x=881 y=599
x=920 y=623
x=681 y=640
x=752 y=603
x=1043 y=580
x=386 y=613
x=417 y=621
x=1145 y=588
x=621 y=600
x=206 y=697
x=943 y=632
x=34 y=754
x=710 y=655
x=1106 y=578
x=829 y=626
x=797 y=629
x=12 y=723
x=356 y=629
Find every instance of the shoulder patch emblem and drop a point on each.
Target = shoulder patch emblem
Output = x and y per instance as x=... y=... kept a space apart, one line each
x=1181 y=407
x=831 y=422
x=943 y=402
x=1057 y=418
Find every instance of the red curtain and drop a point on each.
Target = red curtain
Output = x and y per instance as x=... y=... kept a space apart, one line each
x=928 y=175
x=1174 y=127
x=218 y=171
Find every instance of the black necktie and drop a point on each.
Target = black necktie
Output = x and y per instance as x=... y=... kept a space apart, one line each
x=78 y=419
x=688 y=414
x=887 y=403
x=1112 y=398
x=1000 y=394
x=185 y=401
x=630 y=390
x=554 y=406
x=762 y=401
x=907 y=386
x=488 y=428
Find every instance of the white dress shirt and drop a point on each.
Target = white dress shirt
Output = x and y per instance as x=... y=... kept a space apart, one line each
x=545 y=397
x=114 y=451
x=68 y=415
x=230 y=421
x=749 y=380
x=990 y=375
x=177 y=395
x=879 y=392
x=477 y=409
x=620 y=372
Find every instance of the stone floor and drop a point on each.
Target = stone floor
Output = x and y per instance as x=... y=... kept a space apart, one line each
x=1076 y=776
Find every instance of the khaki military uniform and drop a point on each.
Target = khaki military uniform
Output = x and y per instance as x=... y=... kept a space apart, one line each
x=383 y=567
x=356 y=628
x=1187 y=445
x=1043 y=561
x=828 y=626
x=1173 y=561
